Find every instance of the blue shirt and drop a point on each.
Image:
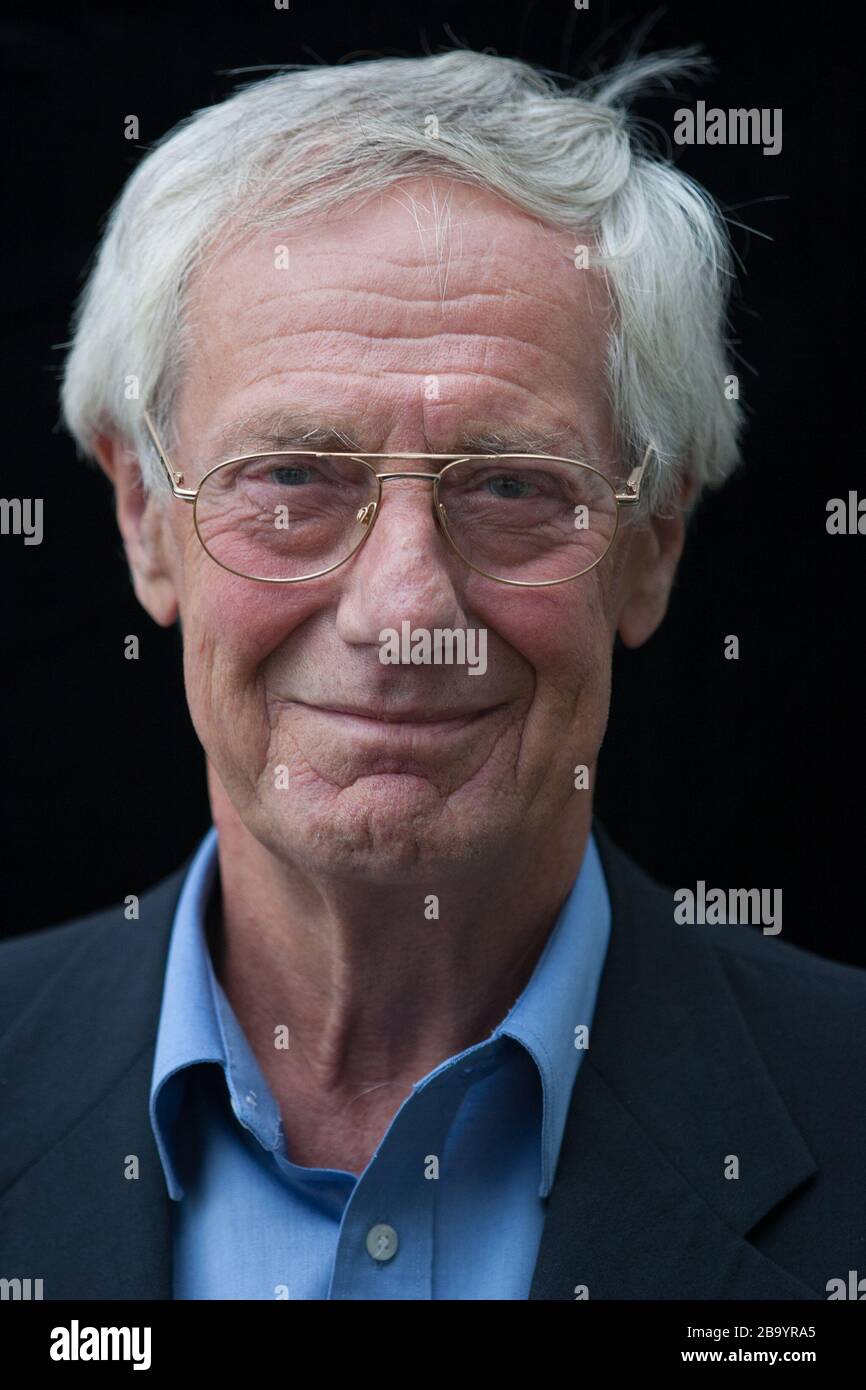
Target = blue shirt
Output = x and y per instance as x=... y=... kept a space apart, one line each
x=459 y=1181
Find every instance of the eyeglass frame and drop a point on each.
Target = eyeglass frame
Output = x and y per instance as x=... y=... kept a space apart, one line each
x=629 y=497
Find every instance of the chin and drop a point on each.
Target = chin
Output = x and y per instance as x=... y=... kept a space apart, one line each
x=384 y=828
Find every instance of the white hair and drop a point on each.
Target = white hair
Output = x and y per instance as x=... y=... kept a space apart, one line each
x=305 y=142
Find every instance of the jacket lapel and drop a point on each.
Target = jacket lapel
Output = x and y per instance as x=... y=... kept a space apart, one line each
x=671 y=1086
x=78 y=1118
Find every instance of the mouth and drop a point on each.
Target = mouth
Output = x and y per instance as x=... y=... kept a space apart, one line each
x=409 y=718
x=414 y=741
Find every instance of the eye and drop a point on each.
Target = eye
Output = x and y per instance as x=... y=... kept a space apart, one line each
x=290 y=475
x=509 y=486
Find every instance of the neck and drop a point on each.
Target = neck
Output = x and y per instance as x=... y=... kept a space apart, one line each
x=374 y=990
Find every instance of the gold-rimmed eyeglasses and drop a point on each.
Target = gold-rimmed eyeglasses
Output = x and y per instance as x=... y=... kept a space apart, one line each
x=294 y=514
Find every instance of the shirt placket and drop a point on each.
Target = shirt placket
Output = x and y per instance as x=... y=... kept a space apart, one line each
x=386 y=1243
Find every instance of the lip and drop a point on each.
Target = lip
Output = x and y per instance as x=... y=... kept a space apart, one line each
x=413 y=717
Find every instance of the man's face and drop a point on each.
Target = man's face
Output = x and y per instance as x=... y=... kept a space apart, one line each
x=393 y=770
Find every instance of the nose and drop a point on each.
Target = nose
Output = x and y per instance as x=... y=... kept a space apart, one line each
x=404 y=572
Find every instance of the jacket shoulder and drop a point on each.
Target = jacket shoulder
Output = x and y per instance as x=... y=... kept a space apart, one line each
x=768 y=974
x=32 y=959
x=808 y=1012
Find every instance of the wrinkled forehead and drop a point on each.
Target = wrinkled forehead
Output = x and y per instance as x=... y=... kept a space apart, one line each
x=439 y=240
x=428 y=277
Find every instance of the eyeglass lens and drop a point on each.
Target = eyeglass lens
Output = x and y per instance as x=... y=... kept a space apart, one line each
x=528 y=520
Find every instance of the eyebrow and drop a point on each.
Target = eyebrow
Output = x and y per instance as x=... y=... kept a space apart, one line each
x=281 y=429
x=295 y=429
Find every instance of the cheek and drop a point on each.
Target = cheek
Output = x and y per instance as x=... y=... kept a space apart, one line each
x=231 y=626
x=564 y=635
x=562 y=632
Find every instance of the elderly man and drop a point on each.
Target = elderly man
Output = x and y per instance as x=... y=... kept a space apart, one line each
x=407 y=375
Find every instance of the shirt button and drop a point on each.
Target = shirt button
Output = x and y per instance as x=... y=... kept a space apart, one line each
x=382 y=1242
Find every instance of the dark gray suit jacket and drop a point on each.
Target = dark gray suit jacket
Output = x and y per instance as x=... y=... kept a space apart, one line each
x=708 y=1041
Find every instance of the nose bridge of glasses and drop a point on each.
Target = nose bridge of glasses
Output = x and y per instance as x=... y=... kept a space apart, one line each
x=422 y=477
x=367 y=514
x=388 y=473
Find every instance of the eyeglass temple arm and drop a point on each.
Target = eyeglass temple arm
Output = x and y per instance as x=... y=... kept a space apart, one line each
x=175 y=479
x=631 y=495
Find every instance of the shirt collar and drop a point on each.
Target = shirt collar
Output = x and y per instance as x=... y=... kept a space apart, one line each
x=553 y=1015
x=190 y=1030
x=198 y=1025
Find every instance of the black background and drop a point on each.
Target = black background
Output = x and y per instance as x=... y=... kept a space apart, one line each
x=743 y=773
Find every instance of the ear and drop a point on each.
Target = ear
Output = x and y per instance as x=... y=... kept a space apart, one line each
x=651 y=566
x=143 y=525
